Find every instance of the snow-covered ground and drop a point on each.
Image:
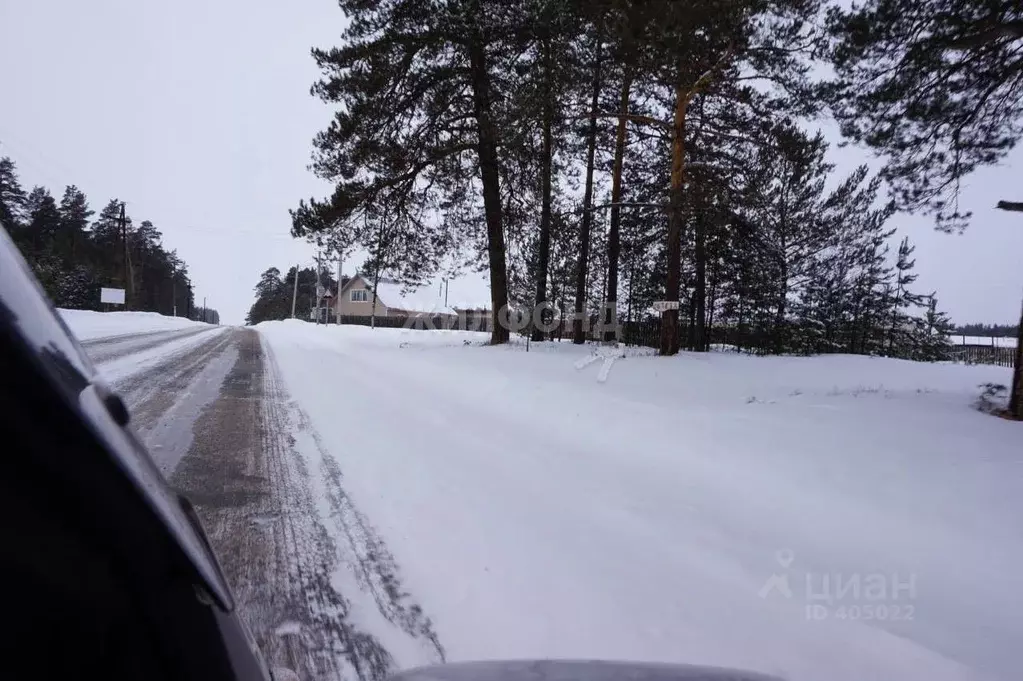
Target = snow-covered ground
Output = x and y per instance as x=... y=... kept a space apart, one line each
x=88 y=325
x=818 y=518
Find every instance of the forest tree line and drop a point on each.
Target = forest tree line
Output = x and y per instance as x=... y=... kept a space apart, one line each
x=277 y=295
x=613 y=153
x=988 y=330
x=74 y=255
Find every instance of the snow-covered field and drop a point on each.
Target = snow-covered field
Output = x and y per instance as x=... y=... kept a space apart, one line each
x=983 y=340
x=818 y=518
x=88 y=325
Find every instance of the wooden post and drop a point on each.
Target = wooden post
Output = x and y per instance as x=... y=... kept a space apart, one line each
x=125 y=261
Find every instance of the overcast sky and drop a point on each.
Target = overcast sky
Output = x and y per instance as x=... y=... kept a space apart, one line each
x=198 y=115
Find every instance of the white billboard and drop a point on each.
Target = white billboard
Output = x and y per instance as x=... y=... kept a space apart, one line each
x=114 y=296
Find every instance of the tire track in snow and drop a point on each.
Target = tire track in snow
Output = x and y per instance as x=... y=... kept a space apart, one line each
x=102 y=350
x=132 y=364
x=312 y=634
x=329 y=602
x=260 y=501
x=369 y=558
x=172 y=397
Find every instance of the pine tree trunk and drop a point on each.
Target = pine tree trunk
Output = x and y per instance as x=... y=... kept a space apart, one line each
x=1016 y=398
x=578 y=333
x=545 y=182
x=669 y=318
x=487 y=150
x=632 y=279
x=376 y=287
x=711 y=305
x=614 y=234
x=700 y=290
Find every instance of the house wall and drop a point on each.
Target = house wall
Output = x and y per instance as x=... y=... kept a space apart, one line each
x=346 y=306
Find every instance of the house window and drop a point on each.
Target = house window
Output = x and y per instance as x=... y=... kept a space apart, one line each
x=360 y=296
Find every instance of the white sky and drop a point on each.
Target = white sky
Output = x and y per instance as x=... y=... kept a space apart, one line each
x=198 y=114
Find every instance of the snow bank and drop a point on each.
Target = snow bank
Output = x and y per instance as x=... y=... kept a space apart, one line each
x=816 y=518
x=88 y=325
x=333 y=336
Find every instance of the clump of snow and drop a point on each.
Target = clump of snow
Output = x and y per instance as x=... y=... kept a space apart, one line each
x=838 y=517
x=993 y=398
x=89 y=325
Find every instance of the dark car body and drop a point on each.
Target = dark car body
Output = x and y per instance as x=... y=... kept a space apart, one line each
x=98 y=548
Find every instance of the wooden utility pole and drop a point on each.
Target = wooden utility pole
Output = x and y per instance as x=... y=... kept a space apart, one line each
x=294 y=293
x=337 y=299
x=316 y=289
x=127 y=263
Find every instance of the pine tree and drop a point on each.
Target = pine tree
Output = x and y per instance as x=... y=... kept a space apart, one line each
x=108 y=246
x=43 y=221
x=73 y=260
x=786 y=199
x=934 y=331
x=420 y=90
x=934 y=86
x=274 y=295
x=74 y=221
x=629 y=35
x=708 y=48
x=12 y=197
x=540 y=102
x=273 y=298
x=903 y=298
x=77 y=289
x=871 y=285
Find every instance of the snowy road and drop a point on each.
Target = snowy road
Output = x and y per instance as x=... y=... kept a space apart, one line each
x=209 y=405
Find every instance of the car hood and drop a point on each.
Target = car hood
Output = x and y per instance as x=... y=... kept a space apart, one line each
x=575 y=670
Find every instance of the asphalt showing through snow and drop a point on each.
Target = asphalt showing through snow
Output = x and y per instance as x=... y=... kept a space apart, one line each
x=216 y=418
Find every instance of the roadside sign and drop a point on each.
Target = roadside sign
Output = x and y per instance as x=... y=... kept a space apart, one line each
x=113 y=296
x=664 y=305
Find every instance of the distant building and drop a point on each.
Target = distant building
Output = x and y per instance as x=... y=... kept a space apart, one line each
x=357 y=297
